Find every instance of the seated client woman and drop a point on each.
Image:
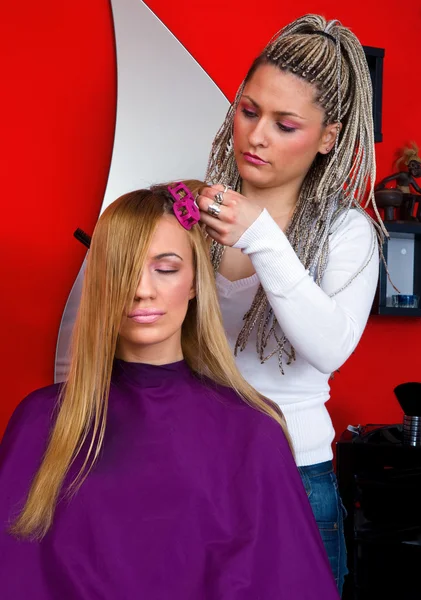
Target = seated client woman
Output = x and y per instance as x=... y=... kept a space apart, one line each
x=155 y=471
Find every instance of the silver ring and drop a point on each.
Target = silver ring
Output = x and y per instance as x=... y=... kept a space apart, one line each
x=219 y=197
x=226 y=188
x=214 y=210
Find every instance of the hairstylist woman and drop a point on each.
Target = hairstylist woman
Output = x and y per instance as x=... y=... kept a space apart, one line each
x=295 y=254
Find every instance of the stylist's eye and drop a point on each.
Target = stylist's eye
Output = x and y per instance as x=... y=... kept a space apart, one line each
x=285 y=128
x=248 y=113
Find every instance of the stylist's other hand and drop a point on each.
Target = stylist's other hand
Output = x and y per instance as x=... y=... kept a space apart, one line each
x=237 y=214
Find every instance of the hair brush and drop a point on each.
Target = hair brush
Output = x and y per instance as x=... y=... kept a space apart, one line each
x=83 y=237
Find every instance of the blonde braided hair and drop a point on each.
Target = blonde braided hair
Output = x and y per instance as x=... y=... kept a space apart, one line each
x=330 y=57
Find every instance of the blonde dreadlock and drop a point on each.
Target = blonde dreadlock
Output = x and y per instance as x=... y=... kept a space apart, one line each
x=330 y=57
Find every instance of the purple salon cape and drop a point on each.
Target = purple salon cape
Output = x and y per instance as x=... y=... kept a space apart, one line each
x=195 y=496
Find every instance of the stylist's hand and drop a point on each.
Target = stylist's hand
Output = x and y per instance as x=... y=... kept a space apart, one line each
x=236 y=215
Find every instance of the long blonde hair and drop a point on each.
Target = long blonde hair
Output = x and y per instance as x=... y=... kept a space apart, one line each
x=118 y=251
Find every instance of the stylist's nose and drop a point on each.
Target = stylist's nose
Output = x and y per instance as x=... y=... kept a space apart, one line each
x=258 y=137
x=146 y=288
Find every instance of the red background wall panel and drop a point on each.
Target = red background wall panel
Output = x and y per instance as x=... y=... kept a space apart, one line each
x=58 y=122
x=58 y=107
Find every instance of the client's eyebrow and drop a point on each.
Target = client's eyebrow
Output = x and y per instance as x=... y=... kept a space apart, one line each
x=167 y=255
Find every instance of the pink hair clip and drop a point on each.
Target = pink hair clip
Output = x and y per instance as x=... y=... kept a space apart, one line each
x=185 y=207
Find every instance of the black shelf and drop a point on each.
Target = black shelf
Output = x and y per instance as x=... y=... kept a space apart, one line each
x=381 y=305
x=396 y=311
x=413 y=227
x=378 y=476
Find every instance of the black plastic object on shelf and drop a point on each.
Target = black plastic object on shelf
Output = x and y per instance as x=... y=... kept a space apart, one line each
x=379 y=479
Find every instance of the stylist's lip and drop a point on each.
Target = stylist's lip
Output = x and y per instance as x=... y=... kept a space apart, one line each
x=146 y=315
x=254 y=159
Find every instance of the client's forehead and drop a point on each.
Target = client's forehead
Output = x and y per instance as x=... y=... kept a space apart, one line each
x=170 y=239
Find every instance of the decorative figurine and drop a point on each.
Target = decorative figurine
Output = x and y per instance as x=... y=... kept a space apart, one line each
x=401 y=196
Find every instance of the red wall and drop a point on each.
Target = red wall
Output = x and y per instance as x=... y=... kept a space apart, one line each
x=57 y=132
x=58 y=109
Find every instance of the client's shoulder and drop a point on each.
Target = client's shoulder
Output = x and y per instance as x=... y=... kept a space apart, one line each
x=241 y=416
x=41 y=399
x=36 y=408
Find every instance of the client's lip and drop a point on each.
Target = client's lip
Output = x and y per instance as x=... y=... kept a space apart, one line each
x=145 y=315
x=254 y=159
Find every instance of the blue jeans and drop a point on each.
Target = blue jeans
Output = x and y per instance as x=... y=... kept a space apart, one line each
x=322 y=490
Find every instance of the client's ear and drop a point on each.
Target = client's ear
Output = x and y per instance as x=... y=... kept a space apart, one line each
x=192 y=293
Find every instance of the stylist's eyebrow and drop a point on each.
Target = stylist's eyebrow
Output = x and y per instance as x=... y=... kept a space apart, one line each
x=167 y=255
x=281 y=113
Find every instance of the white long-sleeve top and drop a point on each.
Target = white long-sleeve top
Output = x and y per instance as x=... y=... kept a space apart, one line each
x=324 y=330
